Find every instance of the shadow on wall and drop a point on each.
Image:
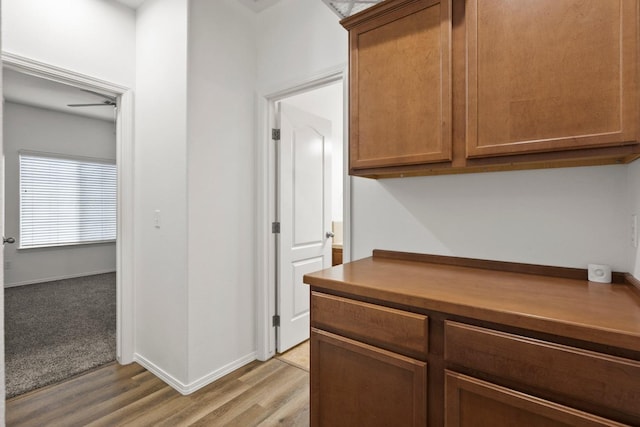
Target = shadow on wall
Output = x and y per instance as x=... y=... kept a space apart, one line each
x=566 y=217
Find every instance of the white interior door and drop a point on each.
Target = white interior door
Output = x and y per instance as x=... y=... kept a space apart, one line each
x=304 y=210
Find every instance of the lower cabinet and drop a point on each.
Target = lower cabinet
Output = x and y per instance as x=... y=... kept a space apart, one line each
x=470 y=402
x=356 y=384
x=369 y=368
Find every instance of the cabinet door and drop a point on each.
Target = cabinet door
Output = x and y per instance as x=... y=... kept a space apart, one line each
x=400 y=90
x=547 y=75
x=470 y=402
x=355 y=384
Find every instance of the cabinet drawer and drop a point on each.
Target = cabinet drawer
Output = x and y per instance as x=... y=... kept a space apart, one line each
x=556 y=370
x=492 y=405
x=388 y=328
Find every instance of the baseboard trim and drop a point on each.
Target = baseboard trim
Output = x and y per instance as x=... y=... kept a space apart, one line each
x=159 y=372
x=219 y=373
x=53 y=279
x=186 y=389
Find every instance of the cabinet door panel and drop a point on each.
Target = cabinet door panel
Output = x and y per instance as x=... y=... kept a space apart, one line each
x=400 y=91
x=474 y=403
x=355 y=384
x=546 y=75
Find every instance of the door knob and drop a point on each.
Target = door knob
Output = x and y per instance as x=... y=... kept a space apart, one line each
x=329 y=234
x=6 y=240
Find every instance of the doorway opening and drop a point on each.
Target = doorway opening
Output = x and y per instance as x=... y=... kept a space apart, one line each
x=116 y=129
x=304 y=204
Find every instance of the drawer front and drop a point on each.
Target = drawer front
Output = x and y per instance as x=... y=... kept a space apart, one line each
x=492 y=405
x=388 y=328
x=590 y=377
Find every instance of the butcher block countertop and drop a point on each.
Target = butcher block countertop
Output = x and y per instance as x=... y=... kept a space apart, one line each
x=551 y=300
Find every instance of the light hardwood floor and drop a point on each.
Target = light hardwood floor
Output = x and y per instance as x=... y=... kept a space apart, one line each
x=259 y=394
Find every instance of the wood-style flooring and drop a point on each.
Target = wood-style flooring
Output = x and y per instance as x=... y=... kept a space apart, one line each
x=272 y=393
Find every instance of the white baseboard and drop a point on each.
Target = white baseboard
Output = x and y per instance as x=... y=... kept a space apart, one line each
x=52 y=279
x=158 y=372
x=219 y=373
x=186 y=389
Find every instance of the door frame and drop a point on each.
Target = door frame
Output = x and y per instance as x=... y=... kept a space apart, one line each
x=266 y=255
x=124 y=167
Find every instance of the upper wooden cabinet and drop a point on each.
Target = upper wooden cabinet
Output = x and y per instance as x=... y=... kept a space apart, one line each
x=400 y=91
x=547 y=75
x=456 y=86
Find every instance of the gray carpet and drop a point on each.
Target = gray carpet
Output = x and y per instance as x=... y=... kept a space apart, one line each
x=56 y=330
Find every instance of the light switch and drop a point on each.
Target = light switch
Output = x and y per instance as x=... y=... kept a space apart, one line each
x=156 y=218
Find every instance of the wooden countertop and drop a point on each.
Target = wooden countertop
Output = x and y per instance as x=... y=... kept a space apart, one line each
x=607 y=314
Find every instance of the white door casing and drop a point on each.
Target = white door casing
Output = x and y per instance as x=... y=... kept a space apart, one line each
x=125 y=165
x=2 y=369
x=304 y=208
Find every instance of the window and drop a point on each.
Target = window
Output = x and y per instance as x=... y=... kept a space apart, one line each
x=66 y=201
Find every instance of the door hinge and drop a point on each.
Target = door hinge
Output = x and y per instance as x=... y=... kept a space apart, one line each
x=276 y=321
x=275 y=134
x=275 y=227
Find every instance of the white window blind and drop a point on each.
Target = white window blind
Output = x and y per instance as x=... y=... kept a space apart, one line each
x=65 y=201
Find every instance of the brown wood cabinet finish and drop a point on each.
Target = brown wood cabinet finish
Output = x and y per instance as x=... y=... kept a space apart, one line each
x=351 y=381
x=400 y=96
x=594 y=378
x=336 y=256
x=522 y=85
x=474 y=403
x=395 y=330
x=542 y=348
x=548 y=75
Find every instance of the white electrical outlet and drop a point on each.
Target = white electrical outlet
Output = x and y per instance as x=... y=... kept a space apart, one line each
x=634 y=230
x=156 y=218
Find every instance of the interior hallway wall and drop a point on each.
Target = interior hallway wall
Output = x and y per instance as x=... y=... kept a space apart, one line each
x=46 y=131
x=298 y=39
x=92 y=37
x=161 y=318
x=221 y=177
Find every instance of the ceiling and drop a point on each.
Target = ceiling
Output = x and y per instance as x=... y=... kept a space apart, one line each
x=346 y=8
x=25 y=89
x=258 y=5
x=133 y=4
x=255 y=5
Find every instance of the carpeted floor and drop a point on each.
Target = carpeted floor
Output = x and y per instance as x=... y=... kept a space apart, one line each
x=59 y=329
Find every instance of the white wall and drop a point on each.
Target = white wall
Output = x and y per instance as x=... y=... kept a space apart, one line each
x=565 y=217
x=92 y=37
x=633 y=184
x=221 y=110
x=297 y=39
x=161 y=184
x=36 y=129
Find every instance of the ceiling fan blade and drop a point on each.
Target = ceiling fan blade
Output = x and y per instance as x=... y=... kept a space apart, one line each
x=109 y=97
x=92 y=105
